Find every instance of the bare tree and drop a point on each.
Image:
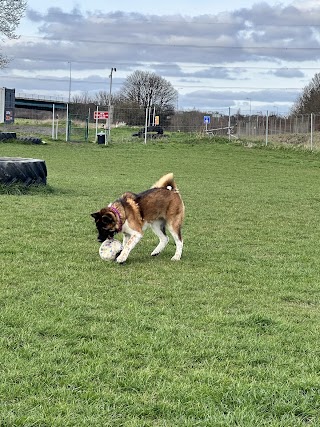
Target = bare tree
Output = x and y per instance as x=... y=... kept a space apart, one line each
x=102 y=98
x=146 y=89
x=11 y=12
x=309 y=101
x=140 y=90
x=143 y=89
x=82 y=106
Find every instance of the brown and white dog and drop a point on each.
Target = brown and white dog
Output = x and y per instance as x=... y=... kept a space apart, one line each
x=131 y=214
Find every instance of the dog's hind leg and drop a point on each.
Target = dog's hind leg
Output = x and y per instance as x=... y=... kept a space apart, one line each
x=158 y=227
x=176 y=234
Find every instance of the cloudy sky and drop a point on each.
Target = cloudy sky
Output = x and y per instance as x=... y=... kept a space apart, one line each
x=248 y=55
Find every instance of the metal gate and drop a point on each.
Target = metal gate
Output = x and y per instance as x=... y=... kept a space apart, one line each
x=78 y=129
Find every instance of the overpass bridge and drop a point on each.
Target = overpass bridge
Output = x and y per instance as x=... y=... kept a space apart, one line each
x=39 y=103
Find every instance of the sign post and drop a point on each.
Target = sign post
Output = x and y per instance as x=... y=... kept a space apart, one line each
x=101 y=115
x=206 y=121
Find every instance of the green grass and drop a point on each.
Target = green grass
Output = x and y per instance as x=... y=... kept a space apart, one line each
x=228 y=336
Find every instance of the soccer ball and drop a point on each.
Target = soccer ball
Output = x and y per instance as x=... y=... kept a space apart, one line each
x=109 y=249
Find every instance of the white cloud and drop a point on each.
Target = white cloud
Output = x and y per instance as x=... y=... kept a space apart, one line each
x=306 y=4
x=236 y=53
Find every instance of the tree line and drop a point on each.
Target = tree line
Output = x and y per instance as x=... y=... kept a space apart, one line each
x=309 y=100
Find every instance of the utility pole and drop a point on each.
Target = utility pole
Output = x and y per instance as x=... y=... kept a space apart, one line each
x=109 y=106
x=69 y=98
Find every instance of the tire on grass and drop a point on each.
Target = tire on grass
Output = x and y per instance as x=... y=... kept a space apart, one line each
x=18 y=170
x=8 y=135
x=30 y=140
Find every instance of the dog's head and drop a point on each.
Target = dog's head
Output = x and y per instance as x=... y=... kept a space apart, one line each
x=106 y=223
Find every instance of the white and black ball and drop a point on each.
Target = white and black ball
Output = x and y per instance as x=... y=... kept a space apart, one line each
x=109 y=249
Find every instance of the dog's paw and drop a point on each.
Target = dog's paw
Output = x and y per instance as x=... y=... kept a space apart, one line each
x=117 y=255
x=155 y=253
x=175 y=258
x=120 y=259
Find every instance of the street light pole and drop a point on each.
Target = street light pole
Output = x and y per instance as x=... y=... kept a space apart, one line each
x=69 y=82
x=109 y=106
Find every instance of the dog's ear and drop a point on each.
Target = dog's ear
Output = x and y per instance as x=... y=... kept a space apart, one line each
x=108 y=218
x=96 y=215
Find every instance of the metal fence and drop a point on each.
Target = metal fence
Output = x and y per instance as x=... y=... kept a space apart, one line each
x=301 y=130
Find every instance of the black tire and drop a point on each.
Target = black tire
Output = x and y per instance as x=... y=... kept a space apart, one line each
x=8 y=135
x=17 y=170
x=30 y=140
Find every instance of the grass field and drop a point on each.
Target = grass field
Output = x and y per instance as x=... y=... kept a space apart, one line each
x=228 y=336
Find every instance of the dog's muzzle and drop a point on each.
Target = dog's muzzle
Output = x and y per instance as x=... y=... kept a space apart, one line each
x=105 y=236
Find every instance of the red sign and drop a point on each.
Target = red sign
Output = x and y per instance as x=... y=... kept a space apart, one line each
x=101 y=115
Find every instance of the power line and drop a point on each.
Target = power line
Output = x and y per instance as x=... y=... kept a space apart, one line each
x=247 y=23
x=175 y=45
x=183 y=64
x=102 y=82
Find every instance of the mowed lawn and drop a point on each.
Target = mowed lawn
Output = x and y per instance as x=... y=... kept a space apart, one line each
x=228 y=336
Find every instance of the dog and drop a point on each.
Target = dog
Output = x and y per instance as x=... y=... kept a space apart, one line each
x=159 y=207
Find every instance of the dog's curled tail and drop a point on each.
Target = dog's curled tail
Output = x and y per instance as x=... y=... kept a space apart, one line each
x=166 y=181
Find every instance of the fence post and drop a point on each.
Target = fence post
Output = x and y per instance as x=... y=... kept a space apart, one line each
x=267 y=126
x=52 y=133
x=146 y=123
x=311 y=131
x=97 y=110
x=67 y=124
x=89 y=115
x=57 y=126
x=86 y=130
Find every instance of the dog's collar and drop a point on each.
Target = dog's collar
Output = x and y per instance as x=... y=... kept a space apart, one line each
x=117 y=213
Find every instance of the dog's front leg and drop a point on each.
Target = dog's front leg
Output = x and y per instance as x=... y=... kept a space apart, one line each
x=125 y=239
x=130 y=244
